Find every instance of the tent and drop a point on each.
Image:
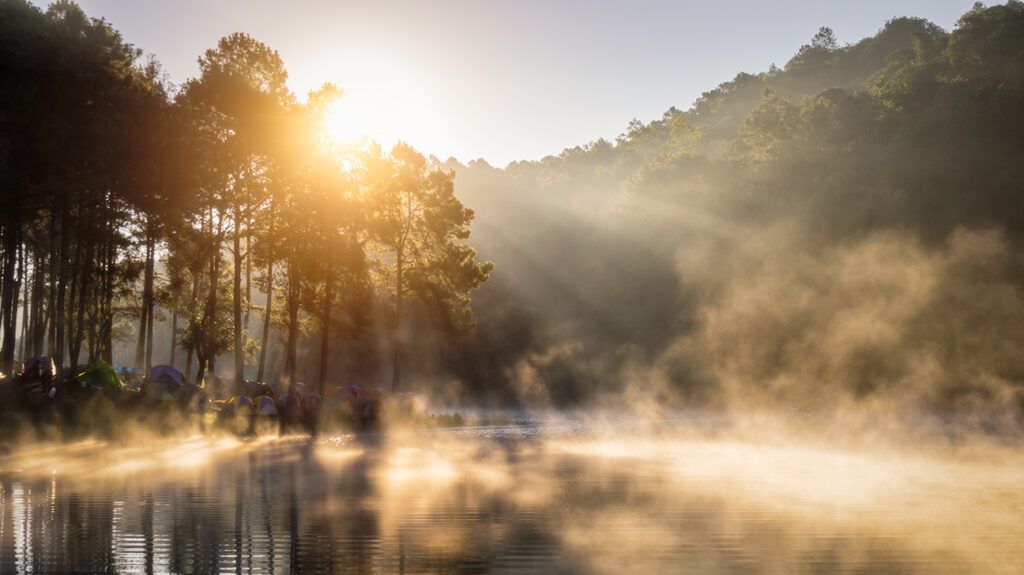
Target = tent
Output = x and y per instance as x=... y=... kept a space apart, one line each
x=166 y=383
x=265 y=406
x=257 y=388
x=39 y=376
x=312 y=404
x=290 y=406
x=240 y=405
x=40 y=368
x=166 y=374
x=348 y=393
x=100 y=376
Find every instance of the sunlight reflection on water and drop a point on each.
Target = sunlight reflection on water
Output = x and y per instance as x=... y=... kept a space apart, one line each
x=504 y=500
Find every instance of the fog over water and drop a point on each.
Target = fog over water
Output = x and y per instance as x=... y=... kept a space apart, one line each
x=562 y=496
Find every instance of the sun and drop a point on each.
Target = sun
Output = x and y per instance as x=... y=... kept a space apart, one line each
x=345 y=124
x=357 y=118
x=384 y=105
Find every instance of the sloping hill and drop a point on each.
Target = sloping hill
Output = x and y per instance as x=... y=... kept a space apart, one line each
x=615 y=259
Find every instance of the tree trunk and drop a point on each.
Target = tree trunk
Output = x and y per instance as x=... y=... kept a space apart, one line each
x=270 y=298
x=8 y=315
x=6 y=283
x=267 y=310
x=51 y=296
x=396 y=341
x=78 y=335
x=147 y=303
x=23 y=280
x=174 y=337
x=150 y=323
x=93 y=297
x=20 y=279
x=191 y=320
x=107 y=334
x=325 y=333
x=293 y=326
x=248 y=275
x=37 y=329
x=62 y=277
x=75 y=267
x=200 y=369
x=236 y=288
x=210 y=326
x=149 y=338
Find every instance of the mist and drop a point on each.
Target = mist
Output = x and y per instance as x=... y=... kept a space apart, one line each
x=775 y=330
x=832 y=235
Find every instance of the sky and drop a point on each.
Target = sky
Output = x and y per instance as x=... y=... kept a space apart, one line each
x=505 y=81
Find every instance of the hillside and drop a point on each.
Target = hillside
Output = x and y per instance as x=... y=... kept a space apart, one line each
x=659 y=260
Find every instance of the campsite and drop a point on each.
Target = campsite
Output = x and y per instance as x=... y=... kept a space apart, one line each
x=65 y=406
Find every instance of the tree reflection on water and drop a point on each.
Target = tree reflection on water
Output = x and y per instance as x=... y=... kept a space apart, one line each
x=480 y=504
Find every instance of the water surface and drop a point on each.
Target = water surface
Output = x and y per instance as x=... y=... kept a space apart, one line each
x=504 y=500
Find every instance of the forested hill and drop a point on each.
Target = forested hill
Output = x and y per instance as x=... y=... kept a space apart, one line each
x=821 y=232
x=819 y=65
x=840 y=230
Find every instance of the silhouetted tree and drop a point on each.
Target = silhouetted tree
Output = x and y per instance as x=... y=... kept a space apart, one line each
x=422 y=229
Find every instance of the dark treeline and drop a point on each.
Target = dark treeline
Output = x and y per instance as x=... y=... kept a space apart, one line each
x=214 y=212
x=844 y=227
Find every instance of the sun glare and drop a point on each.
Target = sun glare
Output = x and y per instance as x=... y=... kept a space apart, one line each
x=386 y=102
x=345 y=124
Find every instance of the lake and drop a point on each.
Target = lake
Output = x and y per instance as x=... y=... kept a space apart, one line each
x=512 y=499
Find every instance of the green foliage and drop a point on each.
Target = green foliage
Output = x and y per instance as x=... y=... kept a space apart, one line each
x=416 y=218
x=613 y=254
x=211 y=334
x=105 y=168
x=626 y=248
x=771 y=126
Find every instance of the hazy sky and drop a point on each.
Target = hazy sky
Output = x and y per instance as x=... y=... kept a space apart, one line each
x=506 y=80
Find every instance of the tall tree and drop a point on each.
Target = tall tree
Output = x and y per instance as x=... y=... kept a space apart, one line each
x=421 y=228
x=241 y=98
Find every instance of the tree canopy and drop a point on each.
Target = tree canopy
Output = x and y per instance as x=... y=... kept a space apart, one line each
x=127 y=200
